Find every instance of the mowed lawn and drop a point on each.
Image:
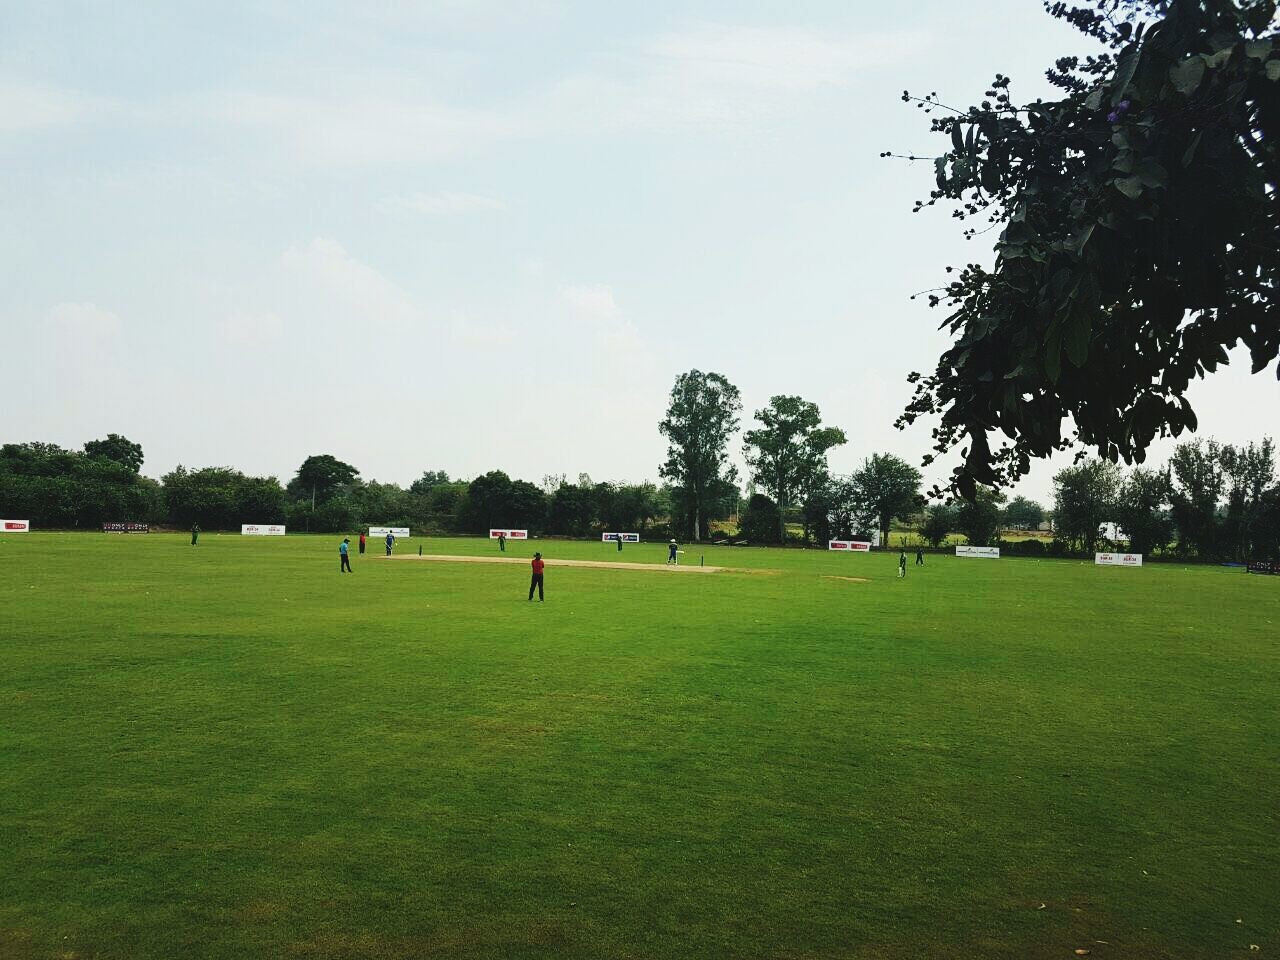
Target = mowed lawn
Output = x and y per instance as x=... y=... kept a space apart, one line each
x=232 y=751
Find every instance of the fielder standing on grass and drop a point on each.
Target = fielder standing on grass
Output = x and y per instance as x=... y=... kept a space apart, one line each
x=537 y=577
x=391 y=542
x=902 y=564
x=362 y=543
x=619 y=539
x=195 y=533
x=343 y=548
x=919 y=556
x=502 y=542
x=671 y=552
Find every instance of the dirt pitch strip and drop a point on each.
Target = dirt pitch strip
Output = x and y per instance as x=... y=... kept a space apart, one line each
x=847 y=579
x=601 y=564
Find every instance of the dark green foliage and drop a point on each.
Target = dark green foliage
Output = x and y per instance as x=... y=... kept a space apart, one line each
x=321 y=477
x=220 y=498
x=788 y=452
x=887 y=489
x=979 y=519
x=1140 y=510
x=761 y=521
x=939 y=521
x=1084 y=499
x=1141 y=238
x=1022 y=514
x=1197 y=484
x=53 y=487
x=116 y=448
x=1023 y=548
x=495 y=500
x=701 y=417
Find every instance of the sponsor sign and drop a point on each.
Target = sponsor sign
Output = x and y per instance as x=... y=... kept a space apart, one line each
x=262 y=529
x=125 y=528
x=15 y=526
x=510 y=534
x=849 y=546
x=990 y=552
x=1264 y=566
x=1118 y=559
x=396 y=532
x=626 y=537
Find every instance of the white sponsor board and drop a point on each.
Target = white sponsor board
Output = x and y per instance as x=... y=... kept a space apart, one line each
x=509 y=534
x=855 y=546
x=1118 y=559
x=626 y=537
x=15 y=526
x=396 y=532
x=262 y=529
x=992 y=552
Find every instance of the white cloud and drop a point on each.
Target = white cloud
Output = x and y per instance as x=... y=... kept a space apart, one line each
x=350 y=290
x=84 y=321
x=591 y=301
x=26 y=106
x=441 y=203
x=252 y=329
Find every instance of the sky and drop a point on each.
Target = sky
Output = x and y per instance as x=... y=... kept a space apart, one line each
x=478 y=234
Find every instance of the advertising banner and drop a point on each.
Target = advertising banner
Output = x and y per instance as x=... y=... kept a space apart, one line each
x=15 y=526
x=626 y=537
x=125 y=528
x=1118 y=559
x=855 y=546
x=396 y=532
x=990 y=552
x=510 y=534
x=262 y=529
x=1264 y=566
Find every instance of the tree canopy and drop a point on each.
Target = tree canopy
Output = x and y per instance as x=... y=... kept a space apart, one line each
x=787 y=453
x=702 y=415
x=1140 y=237
x=888 y=488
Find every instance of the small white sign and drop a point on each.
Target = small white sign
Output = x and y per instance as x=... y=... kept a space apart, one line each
x=1118 y=559
x=396 y=532
x=857 y=546
x=989 y=552
x=626 y=537
x=15 y=526
x=262 y=529
x=509 y=534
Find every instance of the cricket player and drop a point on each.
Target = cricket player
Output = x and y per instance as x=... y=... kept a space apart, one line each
x=537 y=577
x=619 y=539
x=343 y=548
x=919 y=556
x=671 y=552
x=362 y=543
x=391 y=542
x=195 y=533
x=502 y=542
x=902 y=564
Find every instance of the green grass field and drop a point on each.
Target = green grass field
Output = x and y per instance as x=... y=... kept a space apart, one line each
x=231 y=751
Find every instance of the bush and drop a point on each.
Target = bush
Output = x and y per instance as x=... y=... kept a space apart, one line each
x=1024 y=548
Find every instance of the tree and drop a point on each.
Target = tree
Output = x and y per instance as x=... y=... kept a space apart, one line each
x=220 y=498
x=118 y=449
x=571 y=510
x=1023 y=514
x=1197 y=482
x=1249 y=470
x=760 y=521
x=888 y=488
x=497 y=501
x=788 y=453
x=320 y=477
x=701 y=417
x=1140 y=236
x=979 y=519
x=53 y=487
x=1084 y=499
x=1140 y=510
x=938 y=522
x=429 y=479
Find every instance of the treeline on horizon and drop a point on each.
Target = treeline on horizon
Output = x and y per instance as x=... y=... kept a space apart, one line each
x=1211 y=501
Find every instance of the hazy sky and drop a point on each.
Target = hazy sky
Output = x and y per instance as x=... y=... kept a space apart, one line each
x=482 y=233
